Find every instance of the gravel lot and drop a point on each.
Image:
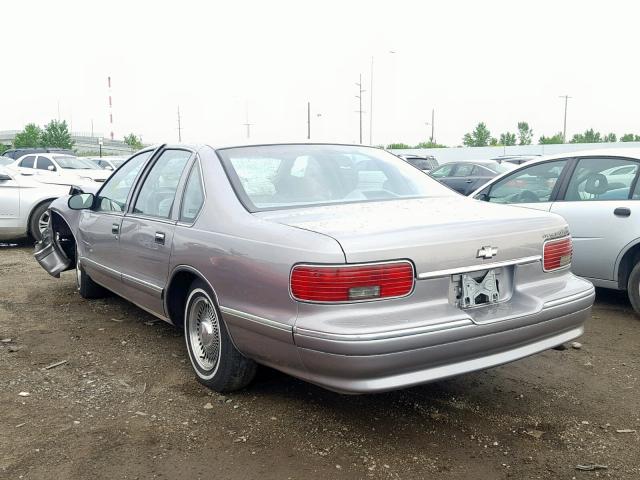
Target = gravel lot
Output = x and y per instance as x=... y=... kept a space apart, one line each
x=126 y=405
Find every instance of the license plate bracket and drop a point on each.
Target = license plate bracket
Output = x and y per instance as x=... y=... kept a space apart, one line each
x=479 y=291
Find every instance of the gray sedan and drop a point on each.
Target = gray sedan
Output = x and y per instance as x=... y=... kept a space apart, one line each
x=341 y=265
x=598 y=194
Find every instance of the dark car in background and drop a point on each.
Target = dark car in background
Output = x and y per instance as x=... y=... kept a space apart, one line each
x=425 y=163
x=465 y=177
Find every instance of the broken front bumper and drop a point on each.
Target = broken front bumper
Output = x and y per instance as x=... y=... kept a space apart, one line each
x=50 y=255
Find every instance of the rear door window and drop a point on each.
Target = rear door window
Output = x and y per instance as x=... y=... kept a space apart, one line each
x=602 y=179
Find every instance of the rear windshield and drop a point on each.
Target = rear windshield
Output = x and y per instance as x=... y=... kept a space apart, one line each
x=75 y=163
x=285 y=176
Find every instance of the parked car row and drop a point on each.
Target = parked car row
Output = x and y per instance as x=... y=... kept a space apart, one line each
x=341 y=265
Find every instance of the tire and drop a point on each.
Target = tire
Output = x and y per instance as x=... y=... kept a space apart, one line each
x=39 y=219
x=215 y=360
x=633 y=288
x=86 y=286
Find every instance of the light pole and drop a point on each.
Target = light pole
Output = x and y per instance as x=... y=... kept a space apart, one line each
x=564 y=131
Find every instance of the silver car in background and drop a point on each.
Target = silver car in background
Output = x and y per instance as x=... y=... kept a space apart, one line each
x=24 y=204
x=598 y=193
x=338 y=264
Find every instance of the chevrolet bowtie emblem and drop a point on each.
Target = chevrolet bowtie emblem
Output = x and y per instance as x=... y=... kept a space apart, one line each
x=487 y=252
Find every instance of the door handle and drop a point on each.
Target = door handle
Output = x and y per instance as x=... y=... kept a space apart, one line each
x=622 y=212
x=468 y=181
x=159 y=238
x=115 y=228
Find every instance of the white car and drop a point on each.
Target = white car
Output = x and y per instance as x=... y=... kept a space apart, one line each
x=24 y=204
x=598 y=194
x=55 y=165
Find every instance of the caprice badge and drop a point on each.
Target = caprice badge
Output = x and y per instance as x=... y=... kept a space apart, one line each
x=487 y=252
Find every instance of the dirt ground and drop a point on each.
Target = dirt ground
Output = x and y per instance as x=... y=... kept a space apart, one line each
x=125 y=405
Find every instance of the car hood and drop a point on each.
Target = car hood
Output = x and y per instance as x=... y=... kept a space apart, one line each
x=435 y=233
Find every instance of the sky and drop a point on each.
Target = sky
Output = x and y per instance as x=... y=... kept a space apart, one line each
x=222 y=62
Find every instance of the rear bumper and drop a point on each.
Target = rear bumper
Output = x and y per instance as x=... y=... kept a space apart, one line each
x=400 y=359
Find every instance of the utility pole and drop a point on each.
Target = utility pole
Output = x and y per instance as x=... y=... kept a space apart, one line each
x=308 y=120
x=564 y=131
x=371 y=105
x=92 y=127
x=360 y=111
x=179 y=127
x=247 y=124
x=433 y=123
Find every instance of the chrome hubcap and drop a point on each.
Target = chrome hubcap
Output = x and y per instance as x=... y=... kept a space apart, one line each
x=204 y=333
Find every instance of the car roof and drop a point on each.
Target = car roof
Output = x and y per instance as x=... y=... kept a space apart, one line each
x=594 y=152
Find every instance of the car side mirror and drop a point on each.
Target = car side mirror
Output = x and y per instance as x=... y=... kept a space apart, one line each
x=81 y=201
x=4 y=177
x=51 y=168
x=108 y=167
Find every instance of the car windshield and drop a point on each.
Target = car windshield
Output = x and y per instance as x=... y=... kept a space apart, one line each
x=74 y=163
x=6 y=161
x=500 y=167
x=283 y=176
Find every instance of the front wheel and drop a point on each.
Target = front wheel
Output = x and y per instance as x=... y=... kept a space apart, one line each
x=86 y=286
x=633 y=288
x=214 y=358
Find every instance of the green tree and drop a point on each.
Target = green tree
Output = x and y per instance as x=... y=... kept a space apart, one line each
x=589 y=136
x=56 y=134
x=525 y=134
x=3 y=148
x=430 y=144
x=397 y=146
x=630 y=137
x=480 y=137
x=30 y=137
x=557 y=138
x=610 y=137
x=133 y=141
x=508 y=139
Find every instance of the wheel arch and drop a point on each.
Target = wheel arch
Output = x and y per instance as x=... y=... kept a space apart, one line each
x=177 y=291
x=627 y=261
x=34 y=207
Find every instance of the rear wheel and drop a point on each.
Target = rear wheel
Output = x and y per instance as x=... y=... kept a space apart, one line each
x=39 y=221
x=633 y=288
x=86 y=286
x=214 y=358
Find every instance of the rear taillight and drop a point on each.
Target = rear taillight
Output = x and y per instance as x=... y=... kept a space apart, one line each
x=557 y=254
x=333 y=283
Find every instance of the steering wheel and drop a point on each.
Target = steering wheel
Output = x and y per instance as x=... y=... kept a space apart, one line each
x=527 y=196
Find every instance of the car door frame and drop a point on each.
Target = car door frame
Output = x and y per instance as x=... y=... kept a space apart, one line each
x=129 y=281
x=106 y=270
x=617 y=280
